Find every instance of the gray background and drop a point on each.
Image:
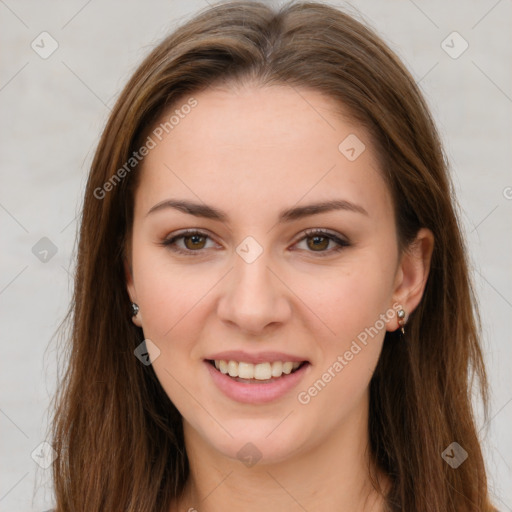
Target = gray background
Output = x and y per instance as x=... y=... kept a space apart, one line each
x=53 y=111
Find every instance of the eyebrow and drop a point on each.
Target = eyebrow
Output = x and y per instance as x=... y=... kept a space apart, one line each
x=287 y=215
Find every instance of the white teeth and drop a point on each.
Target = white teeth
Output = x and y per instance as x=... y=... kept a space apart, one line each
x=233 y=369
x=277 y=369
x=287 y=367
x=245 y=370
x=223 y=366
x=263 y=371
x=260 y=371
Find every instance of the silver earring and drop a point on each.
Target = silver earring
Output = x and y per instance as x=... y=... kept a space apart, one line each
x=135 y=309
x=401 y=320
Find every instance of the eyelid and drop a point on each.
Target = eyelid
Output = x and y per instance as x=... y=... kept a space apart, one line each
x=325 y=232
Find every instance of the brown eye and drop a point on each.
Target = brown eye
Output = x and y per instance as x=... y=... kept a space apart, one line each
x=196 y=241
x=190 y=243
x=318 y=242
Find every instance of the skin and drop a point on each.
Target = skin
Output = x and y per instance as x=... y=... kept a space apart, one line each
x=252 y=151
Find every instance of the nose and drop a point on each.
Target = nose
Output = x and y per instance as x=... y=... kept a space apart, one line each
x=255 y=298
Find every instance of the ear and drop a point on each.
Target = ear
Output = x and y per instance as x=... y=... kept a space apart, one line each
x=130 y=286
x=412 y=274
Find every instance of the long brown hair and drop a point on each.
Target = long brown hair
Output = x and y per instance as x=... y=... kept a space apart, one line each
x=118 y=436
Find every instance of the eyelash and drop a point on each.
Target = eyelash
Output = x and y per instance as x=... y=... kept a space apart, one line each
x=342 y=244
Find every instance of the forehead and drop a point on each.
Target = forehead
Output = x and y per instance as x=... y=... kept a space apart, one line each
x=250 y=147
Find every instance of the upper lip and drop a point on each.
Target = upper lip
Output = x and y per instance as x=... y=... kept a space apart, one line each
x=255 y=358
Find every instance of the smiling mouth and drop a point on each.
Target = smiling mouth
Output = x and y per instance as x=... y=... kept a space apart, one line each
x=260 y=373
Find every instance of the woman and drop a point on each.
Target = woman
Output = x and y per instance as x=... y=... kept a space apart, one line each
x=272 y=303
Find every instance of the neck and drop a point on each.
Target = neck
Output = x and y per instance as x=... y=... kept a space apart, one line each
x=332 y=476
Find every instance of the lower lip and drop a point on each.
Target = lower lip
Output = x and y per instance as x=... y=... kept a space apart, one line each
x=256 y=393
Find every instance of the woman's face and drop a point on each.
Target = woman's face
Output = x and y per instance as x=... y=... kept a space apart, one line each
x=247 y=167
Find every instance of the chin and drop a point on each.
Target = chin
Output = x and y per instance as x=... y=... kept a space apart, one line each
x=259 y=441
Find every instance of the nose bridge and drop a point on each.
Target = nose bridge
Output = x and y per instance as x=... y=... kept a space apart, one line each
x=251 y=265
x=252 y=275
x=255 y=296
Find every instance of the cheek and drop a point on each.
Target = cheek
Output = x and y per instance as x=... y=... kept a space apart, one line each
x=354 y=303
x=349 y=298
x=337 y=385
x=168 y=294
x=171 y=301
